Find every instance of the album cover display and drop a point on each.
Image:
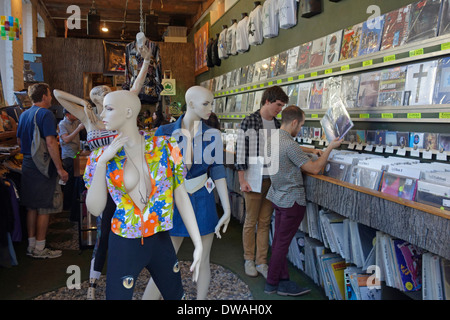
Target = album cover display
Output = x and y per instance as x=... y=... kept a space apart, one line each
x=304 y=91
x=416 y=139
x=231 y=104
x=303 y=56
x=317 y=52
x=400 y=186
x=220 y=104
x=361 y=136
x=444 y=23
x=350 y=136
x=395 y=28
x=243 y=79
x=442 y=86
x=273 y=64
x=238 y=104
x=423 y=23
x=366 y=177
x=256 y=71
x=371 y=33
x=430 y=141
x=391 y=138
x=349 y=90
x=292 y=92
x=350 y=42
x=370 y=136
x=433 y=194
x=250 y=72
x=336 y=122
x=333 y=48
x=250 y=102
x=402 y=139
x=244 y=102
x=257 y=100
x=368 y=89
x=336 y=170
x=419 y=85
x=331 y=87
x=444 y=142
x=315 y=101
x=292 y=60
x=392 y=86
x=264 y=70
x=282 y=63
x=237 y=79
x=380 y=137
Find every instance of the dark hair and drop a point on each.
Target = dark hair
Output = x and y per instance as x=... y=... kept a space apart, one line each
x=213 y=121
x=37 y=91
x=273 y=94
x=292 y=113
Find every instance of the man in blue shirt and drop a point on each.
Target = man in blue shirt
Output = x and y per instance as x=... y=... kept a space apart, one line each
x=36 y=189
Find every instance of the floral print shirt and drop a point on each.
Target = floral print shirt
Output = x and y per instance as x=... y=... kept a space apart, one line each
x=167 y=172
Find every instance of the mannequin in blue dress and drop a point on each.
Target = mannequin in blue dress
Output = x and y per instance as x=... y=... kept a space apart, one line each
x=202 y=150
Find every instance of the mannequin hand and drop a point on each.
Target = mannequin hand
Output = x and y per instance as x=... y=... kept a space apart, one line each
x=195 y=267
x=223 y=222
x=113 y=148
x=145 y=53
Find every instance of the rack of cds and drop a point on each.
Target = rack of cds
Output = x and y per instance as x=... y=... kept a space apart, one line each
x=393 y=75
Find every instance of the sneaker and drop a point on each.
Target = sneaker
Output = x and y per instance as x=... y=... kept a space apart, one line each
x=269 y=289
x=46 y=253
x=290 y=288
x=30 y=251
x=250 y=269
x=262 y=268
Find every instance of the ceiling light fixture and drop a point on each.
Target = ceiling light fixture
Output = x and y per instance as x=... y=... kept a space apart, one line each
x=105 y=28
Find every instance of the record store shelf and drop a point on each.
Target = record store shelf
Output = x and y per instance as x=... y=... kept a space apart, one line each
x=421 y=50
x=420 y=224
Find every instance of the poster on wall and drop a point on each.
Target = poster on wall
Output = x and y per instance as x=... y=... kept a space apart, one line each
x=114 y=57
x=32 y=67
x=201 y=43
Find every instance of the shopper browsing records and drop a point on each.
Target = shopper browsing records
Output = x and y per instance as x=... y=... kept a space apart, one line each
x=254 y=128
x=69 y=140
x=288 y=196
x=144 y=175
x=37 y=190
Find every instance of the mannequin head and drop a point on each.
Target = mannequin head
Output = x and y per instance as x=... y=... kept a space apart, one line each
x=199 y=102
x=121 y=109
x=97 y=95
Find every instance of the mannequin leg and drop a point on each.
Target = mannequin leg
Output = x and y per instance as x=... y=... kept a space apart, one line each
x=204 y=277
x=151 y=291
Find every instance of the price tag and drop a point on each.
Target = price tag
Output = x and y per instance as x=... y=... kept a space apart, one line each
x=369 y=147
x=261 y=85
x=359 y=146
x=415 y=115
x=415 y=153
x=445 y=46
x=427 y=154
x=387 y=115
x=321 y=142
x=401 y=151
x=389 y=58
x=364 y=116
x=315 y=116
x=389 y=149
x=351 y=146
x=314 y=74
x=279 y=81
x=328 y=71
x=379 y=149
x=415 y=53
x=346 y=67
x=291 y=79
x=367 y=63
x=302 y=76
x=441 y=156
x=444 y=115
x=270 y=83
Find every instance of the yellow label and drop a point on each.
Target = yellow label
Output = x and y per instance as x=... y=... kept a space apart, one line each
x=367 y=63
x=270 y=83
x=387 y=115
x=328 y=71
x=279 y=81
x=261 y=85
x=445 y=46
x=416 y=52
x=346 y=67
x=255 y=86
x=314 y=116
x=389 y=58
x=314 y=74
x=364 y=116
x=415 y=115
x=291 y=79
x=302 y=76
x=444 y=115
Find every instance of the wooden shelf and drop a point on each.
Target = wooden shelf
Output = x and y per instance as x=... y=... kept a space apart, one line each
x=422 y=225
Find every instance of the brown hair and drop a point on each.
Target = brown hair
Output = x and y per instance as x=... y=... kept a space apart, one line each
x=273 y=94
x=37 y=91
x=292 y=113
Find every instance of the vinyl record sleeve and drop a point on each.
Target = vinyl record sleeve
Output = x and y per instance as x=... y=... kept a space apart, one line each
x=250 y=72
x=282 y=63
x=433 y=194
x=371 y=34
x=244 y=72
x=370 y=136
x=419 y=85
x=273 y=66
x=350 y=42
x=380 y=137
x=220 y=104
x=416 y=140
x=292 y=92
x=303 y=56
x=424 y=20
x=316 y=94
x=244 y=102
x=237 y=79
x=361 y=136
x=430 y=141
x=257 y=101
x=304 y=91
x=231 y=104
x=250 y=102
x=349 y=90
x=396 y=185
x=391 y=138
x=336 y=122
x=402 y=139
x=336 y=170
x=395 y=28
x=366 y=177
x=368 y=89
x=444 y=23
x=444 y=142
x=331 y=86
x=392 y=86
x=317 y=52
x=442 y=86
x=238 y=105
x=264 y=70
x=292 y=60
x=333 y=49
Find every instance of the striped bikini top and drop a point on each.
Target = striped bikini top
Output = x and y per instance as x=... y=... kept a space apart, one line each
x=100 y=138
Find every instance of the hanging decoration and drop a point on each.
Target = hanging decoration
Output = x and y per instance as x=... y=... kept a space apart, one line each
x=9 y=28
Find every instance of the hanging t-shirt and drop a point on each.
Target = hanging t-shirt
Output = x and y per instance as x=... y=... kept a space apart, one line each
x=255 y=36
x=231 y=40
x=152 y=86
x=242 y=35
x=287 y=11
x=222 y=45
x=270 y=21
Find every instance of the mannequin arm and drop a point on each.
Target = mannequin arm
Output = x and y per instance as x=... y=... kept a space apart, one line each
x=222 y=190
x=184 y=206
x=72 y=103
x=139 y=82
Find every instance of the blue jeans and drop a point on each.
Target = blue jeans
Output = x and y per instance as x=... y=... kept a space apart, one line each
x=127 y=258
